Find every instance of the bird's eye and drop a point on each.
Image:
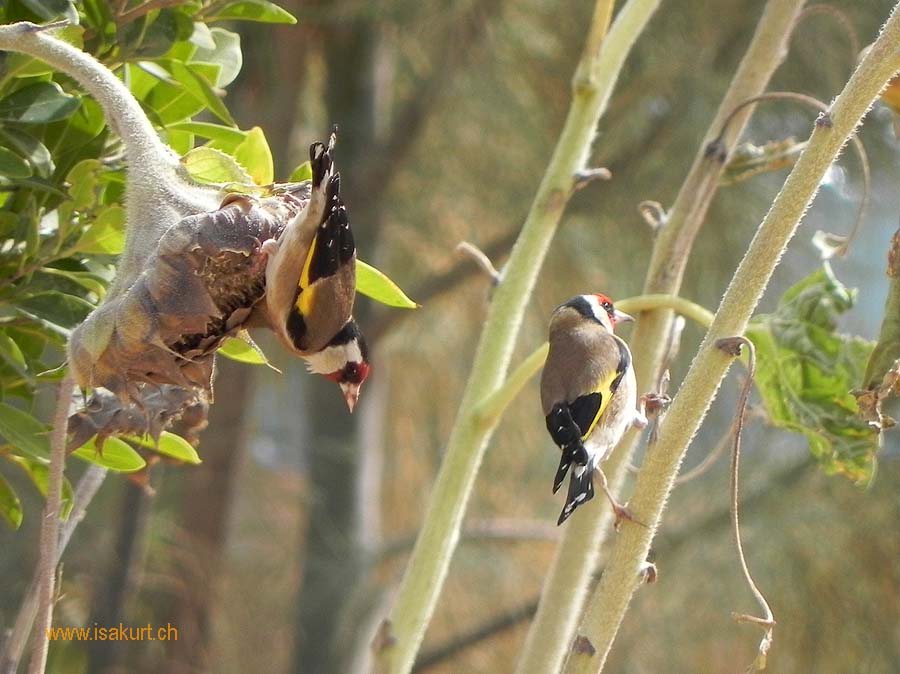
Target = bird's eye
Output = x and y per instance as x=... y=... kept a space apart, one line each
x=608 y=306
x=351 y=374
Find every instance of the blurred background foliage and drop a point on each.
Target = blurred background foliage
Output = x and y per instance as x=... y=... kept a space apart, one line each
x=280 y=551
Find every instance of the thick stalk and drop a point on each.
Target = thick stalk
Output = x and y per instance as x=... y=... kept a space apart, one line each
x=569 y=577
x=608 y=604
x=597 y=73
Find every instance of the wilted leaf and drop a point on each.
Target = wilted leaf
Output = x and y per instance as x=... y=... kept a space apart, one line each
x=254 y=10
x=212 y=167
x=117 y=455
x=375 y=284
x=38 y=103
x=806 y=371
x=24 y=432
x=749 y=160
x=255 y=156
x=10 y=505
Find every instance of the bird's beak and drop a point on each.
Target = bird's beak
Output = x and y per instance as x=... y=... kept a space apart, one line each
x=351 y=395
x=622 y=317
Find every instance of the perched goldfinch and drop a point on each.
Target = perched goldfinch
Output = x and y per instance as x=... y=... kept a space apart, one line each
x=588 y=393
x=311 y=282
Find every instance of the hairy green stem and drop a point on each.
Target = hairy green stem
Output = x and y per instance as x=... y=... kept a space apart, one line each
x=887 y=350
x=576 y=557
x=607 y=606
x=402 y=633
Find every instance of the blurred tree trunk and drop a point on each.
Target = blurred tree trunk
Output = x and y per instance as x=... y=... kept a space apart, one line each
x=118 y=581
x=207 y=496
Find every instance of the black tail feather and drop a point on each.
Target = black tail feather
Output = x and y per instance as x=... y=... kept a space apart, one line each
x=572 y=453
x=564 y=462
x=581 y=490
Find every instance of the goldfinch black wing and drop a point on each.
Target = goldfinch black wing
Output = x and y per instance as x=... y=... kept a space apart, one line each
x=327 y=285
x=587 y=409
x=571 y=423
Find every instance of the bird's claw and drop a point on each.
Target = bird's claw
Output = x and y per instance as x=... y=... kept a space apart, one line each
x=623 y=513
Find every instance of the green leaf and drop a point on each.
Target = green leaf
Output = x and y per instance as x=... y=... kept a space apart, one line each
x=225 y=138
x=81 y=136
x=58 y=308
x=197 y=86
x=373 y=283
x=149 y=38
x=210 y=166
x=301 y=173
x=12 y=165
x=242 y=352
x=39 y=474
x=254 y=155
x=12 y=354
x=38 y=103
x=254 y=10
x=171 y=103
x=224 y=52
x=83 y=179
x=51 y=9
x=24 y=432
x=806 y=370
x=87 y=280
x=106 y=235
x=117 y=455
x=171 y=445
x=33 y=150
x=10 y=505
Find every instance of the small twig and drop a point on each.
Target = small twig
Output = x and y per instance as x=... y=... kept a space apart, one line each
x=733 y=347
x=50 y=526
x=483 y=261
x=585 y=177
x=842 y=243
